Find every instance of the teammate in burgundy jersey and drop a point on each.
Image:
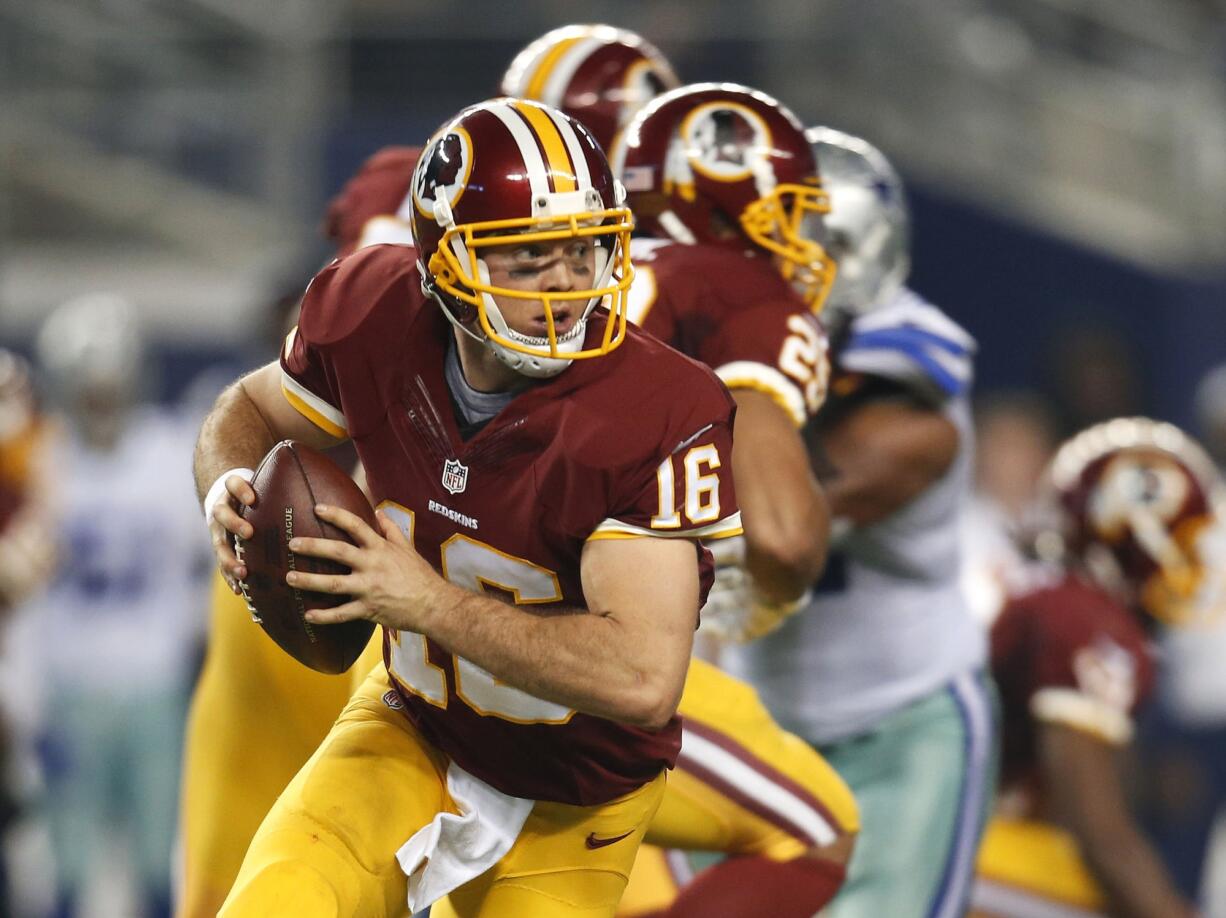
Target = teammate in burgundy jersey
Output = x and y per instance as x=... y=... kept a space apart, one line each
x=1060 y=641
x=1133 y=500
x=735 y=313
x=724 y=182
x=369 y=209
x=516 y=437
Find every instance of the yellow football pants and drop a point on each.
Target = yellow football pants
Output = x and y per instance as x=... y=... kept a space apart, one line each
x=328 y=846
x=742 y=786
x=1030 y=868
x=257 y=715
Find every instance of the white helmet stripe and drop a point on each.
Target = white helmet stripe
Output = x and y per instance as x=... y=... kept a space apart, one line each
x=583 y=175
x=554 y=90
x=538 y=178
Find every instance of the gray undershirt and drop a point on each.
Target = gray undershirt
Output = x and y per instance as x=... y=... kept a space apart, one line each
x=475 y=407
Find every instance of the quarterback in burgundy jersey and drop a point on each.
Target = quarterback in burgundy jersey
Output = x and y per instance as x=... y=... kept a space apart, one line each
x=1132 y=501
x=575 y=458
x=704 y=300
x=517 y=439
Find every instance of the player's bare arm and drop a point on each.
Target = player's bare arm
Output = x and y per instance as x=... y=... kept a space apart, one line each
x=787 y=519
x=1082 y=776
x=885 y=454
x=625 y=658
x=249 y=418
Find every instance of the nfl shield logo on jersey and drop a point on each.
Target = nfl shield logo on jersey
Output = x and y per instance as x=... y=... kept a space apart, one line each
x=455 y=476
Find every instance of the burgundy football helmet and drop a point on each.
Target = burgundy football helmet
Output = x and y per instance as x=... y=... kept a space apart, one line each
x=597 y=74
x=509 y=171
x=1139 y=506
x=720 y=163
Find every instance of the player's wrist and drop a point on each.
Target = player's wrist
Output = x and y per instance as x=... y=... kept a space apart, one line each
x=217 y=490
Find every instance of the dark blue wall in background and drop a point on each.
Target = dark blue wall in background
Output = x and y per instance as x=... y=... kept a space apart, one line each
x=1018 y=290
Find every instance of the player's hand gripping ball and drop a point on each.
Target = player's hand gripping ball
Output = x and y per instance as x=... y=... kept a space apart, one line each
x=290 y=481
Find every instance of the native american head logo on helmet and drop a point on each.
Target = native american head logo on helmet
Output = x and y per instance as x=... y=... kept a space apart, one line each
x=717 y=163
x=446 y=170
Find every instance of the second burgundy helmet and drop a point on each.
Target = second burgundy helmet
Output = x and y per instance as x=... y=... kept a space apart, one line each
x=718 y=163
x=597 y=74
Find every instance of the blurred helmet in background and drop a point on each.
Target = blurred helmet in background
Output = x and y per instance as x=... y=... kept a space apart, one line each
x=599 y=75
x=868 y=227
x=92 y=354
x=1139 y=506
x=509 y=171
x=718 y=163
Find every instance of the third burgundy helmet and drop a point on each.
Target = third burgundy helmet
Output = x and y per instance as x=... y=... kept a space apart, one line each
x=1139 y=505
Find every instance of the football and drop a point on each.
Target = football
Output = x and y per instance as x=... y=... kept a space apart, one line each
x=289 y=482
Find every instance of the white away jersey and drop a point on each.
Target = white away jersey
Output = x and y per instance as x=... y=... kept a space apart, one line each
x=129 y=595
x=888 y=623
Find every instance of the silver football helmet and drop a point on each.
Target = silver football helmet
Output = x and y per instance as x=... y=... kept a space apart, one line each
x=91 y=350
x=868 y=228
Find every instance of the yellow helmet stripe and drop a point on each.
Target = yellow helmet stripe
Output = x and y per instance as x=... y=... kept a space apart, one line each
x=546 y=66
x=557 y=161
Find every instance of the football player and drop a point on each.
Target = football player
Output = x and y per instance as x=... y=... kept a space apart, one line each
x=731 y=272
x=121 y=617
x=250 y=692
x=1136 y=506
x=511 y=428
x=883 y=671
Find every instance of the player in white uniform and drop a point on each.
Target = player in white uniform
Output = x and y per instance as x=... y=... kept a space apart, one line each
x=883 y=671
x=118 y=623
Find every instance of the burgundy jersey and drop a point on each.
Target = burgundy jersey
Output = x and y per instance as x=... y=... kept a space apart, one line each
x=1065 y=652
x=735 y=313
x=637 y=442
x=368 y=209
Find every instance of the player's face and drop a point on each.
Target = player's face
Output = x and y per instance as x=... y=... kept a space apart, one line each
x=555 y=266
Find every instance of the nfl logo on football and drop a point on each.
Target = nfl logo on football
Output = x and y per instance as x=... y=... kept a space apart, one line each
x=455 y=476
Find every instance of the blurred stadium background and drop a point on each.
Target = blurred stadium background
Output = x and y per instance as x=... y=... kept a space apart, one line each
x=1066 y=160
